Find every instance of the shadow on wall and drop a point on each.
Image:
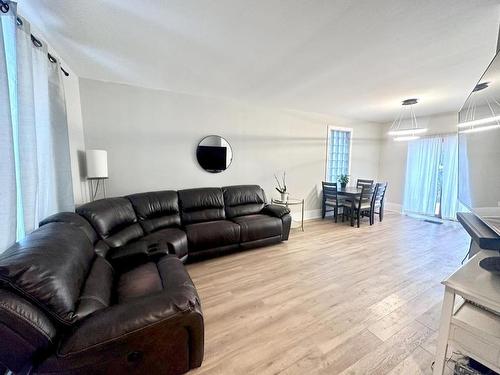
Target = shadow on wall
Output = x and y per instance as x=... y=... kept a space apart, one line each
x=313 y=199
x=82 y=166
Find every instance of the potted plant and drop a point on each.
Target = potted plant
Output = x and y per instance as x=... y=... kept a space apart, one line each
x=281 y=188
x=344 y=180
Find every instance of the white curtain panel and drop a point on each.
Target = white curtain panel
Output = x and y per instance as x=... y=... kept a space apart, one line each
x=8 y=194
x=35 y=172
x=422 y=176
x=449 y=191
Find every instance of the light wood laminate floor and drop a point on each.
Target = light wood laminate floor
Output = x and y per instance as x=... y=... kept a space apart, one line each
x=331 y=300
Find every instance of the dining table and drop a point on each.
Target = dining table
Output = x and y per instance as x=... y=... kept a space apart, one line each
x=352 y=193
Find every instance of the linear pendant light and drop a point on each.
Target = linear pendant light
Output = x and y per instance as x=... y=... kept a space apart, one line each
x=487 y=121
x=402 y=132
x=480 y=129
x=406 y=138
x=407 y=131
x=482 y=121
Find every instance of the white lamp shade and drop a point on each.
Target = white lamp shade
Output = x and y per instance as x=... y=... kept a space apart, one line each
x=97 y=163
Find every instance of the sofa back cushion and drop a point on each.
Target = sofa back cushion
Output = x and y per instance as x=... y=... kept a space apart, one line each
x=156 y=210
x=74 y=219
x=113 y=219
x=49 y=267
x=96 y=293
x=203 y=204
x=242 y=200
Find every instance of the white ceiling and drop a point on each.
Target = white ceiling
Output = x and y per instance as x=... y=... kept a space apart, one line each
x=350 y=58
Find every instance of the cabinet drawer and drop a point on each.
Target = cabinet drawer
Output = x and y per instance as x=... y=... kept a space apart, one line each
x=478 y=347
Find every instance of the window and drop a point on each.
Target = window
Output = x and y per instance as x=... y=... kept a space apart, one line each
x=338 y=153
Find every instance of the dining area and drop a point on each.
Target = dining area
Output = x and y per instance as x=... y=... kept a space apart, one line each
x=353 y=203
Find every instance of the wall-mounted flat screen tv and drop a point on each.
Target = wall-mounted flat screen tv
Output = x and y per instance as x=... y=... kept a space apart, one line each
x=479 y=148
x=212 y=158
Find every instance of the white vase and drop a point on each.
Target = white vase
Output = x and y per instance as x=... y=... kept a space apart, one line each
x=284 y=197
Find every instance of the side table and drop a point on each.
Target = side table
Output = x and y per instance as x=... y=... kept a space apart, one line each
x=472 y=327
x=292 y=202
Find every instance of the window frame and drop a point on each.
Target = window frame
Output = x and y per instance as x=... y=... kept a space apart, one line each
x=329 y=129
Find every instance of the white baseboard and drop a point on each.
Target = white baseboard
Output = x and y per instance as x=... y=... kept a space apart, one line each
x=394 y=207
x=312 y=214
x=316 y=214
x=308 y=214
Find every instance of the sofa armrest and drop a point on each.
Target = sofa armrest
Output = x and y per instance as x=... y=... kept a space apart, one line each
x=275 y=210
x=131 y=255
x=26 y=333
x=173 y=317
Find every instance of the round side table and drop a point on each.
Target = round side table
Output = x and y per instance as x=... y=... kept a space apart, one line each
x=292 y=202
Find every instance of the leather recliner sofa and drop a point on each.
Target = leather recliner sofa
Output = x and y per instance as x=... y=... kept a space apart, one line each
x=191 y=223
x=104 y=290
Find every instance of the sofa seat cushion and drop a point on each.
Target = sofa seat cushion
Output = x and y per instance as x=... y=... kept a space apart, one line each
x=140 y=281
x=166 y=275
x=153 y=303
x=256 y=227
x=174 y=238
x=212 y=234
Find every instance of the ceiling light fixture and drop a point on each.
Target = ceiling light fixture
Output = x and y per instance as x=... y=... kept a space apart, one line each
x=482 y=121
x=479 y=129
x=479 y=110
x=406 y=138
x=405 y=127
x=407 y=131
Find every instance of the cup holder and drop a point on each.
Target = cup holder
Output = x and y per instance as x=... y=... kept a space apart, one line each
x=156 y=248
x=153 y=248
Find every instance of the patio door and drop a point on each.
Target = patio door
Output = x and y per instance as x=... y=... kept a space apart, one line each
x=431 y=184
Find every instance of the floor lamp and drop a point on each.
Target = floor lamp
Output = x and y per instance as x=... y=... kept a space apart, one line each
x=97 y=171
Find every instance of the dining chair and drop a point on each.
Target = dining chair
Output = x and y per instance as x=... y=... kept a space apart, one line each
x=378 y=202
x=362 y=206
x=330 y=199
x=361 y=182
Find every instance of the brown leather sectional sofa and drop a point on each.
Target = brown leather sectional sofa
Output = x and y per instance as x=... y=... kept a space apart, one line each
x=104 y=290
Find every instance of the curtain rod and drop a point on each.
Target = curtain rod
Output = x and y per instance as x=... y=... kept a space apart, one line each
x=4 y=8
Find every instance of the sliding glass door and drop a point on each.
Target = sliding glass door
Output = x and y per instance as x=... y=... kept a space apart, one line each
x=431 y=184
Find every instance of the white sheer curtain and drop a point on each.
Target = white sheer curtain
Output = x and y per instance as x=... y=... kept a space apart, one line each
x=432 y=167
x=449 y=190
x=35 y=174
x=422 y=176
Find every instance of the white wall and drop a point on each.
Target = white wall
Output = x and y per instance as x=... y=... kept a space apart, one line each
x=393 y=155
x=151 y=138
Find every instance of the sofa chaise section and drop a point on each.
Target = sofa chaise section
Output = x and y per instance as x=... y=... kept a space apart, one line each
x=64 y=309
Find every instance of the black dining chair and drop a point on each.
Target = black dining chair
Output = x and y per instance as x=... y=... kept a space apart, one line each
x=362 y=182
x=359 y=184
x=330 y=199
x=362 y=205
x=378 y=202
